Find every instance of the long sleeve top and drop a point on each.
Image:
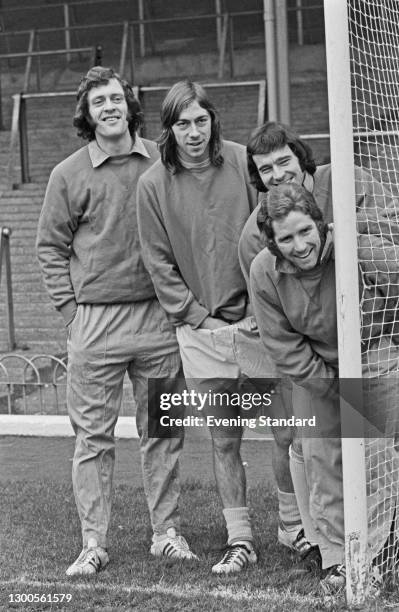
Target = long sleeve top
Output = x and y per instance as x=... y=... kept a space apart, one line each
x=87 y=240
x=370 y=195
x=189 y=224
x=296 y=315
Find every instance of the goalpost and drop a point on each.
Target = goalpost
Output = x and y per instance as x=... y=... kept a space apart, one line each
x=362 y=49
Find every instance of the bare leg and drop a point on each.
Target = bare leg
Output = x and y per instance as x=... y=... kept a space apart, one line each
x=229 y=471
x=281 y=466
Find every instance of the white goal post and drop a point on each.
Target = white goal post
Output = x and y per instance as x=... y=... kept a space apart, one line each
x=343 y=191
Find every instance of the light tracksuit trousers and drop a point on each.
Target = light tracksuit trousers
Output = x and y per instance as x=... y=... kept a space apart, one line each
x=105 y=341
x=322 y=457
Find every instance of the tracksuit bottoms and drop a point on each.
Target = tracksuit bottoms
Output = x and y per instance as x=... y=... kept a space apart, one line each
x=104 y=342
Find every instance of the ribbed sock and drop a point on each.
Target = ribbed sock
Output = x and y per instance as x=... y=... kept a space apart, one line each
x=288 y=511
x=169 y=533
x=238 y=525
x=298 y=474
x=92 y=543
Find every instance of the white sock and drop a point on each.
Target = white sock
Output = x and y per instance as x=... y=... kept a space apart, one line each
x=238 y=525
x=288 y=511
x=170 y=533
x=298 y=474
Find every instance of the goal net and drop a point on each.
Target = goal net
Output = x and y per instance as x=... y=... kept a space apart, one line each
x=371 y=35
x=374 y=59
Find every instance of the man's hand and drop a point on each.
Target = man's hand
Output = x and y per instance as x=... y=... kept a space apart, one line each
x=212 y=323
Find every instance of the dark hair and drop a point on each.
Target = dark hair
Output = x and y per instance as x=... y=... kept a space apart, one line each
x=270 y=137
x=95 y=77
x=279 y=202
x=178 y=98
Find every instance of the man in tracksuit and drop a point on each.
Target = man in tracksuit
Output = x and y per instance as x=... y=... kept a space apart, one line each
x=90 y=256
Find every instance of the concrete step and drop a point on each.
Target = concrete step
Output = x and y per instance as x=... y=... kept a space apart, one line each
x=47 y=346
x=26 y=217
x=46 y=325
x=37 y=297
x=36 y=334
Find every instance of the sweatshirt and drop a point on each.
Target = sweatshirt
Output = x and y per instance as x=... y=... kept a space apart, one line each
x=296 y=314
x=189 y=224
x=370 y=195
x=87 y=239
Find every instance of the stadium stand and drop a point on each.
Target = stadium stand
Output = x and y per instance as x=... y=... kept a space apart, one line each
x=39 y=328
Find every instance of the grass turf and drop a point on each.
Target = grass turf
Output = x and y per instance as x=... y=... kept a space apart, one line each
x=40 y=536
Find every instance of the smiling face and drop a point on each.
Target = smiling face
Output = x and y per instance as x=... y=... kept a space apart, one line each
x=298 y=239
x=279 y=166
x=108 y=111
x=192 y=132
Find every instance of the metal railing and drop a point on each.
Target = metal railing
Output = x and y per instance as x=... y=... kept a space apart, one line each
x=224 y=37
x=32 y=385
x=19 y=128
x=5 y=256
x=224 y=34
x=140 y=24
x=66 y=11
x=30 y=54
x=19 y=135
x=96 y=57
x=36 y=384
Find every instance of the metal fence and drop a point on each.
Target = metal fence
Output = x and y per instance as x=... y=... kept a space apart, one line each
x=36 y=384
x=131 y=35
x=305 y=21
x=19 y=127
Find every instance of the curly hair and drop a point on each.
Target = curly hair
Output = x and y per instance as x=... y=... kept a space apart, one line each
x=279 y=202
x=178 y=98
x=96 y=76
x=270 y=137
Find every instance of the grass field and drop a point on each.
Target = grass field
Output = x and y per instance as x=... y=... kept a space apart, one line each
x=39 y=537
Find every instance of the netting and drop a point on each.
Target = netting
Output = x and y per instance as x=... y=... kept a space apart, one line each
x=374 y=58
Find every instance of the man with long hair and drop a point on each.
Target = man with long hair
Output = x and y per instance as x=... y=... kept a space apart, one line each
x=89 y=251
x=192 y=206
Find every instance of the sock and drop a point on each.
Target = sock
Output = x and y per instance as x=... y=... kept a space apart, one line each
x=170 y=533
x=238 y=525
x=288 y=511
x=297 y=467
x=92 y=543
